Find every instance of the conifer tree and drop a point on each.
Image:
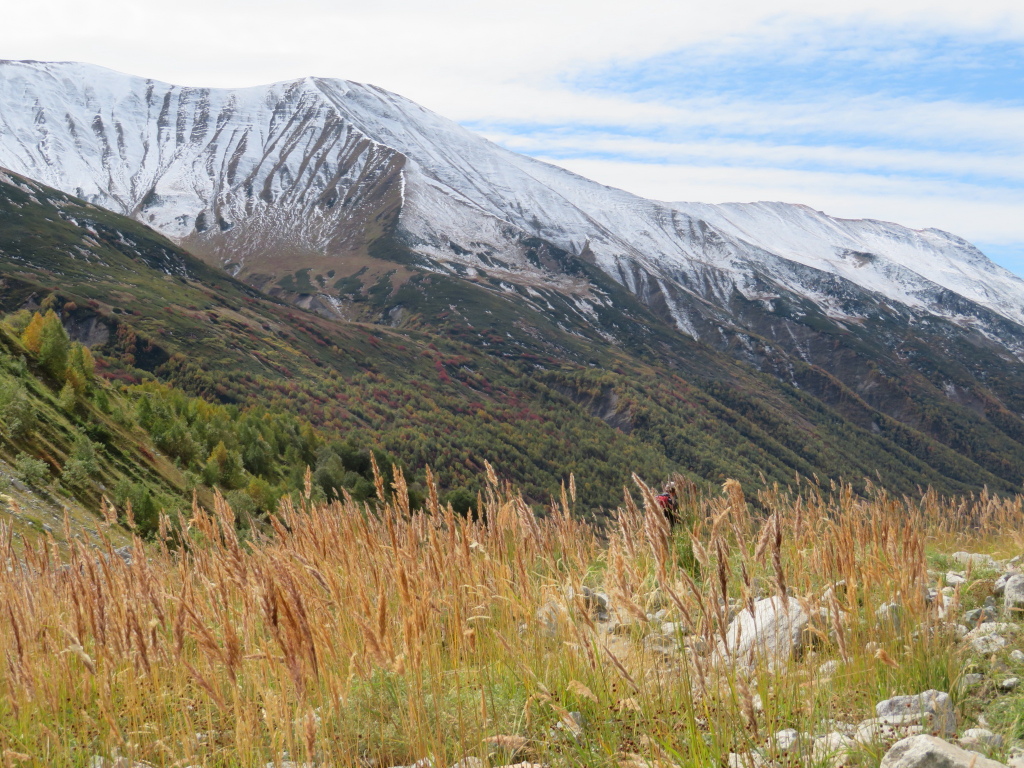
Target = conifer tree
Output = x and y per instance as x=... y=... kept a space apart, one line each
x=67 y=400
x=32 y=336
x=81 y=368
x=53 y=348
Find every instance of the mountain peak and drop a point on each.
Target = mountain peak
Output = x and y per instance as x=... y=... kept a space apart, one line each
x=324 y=167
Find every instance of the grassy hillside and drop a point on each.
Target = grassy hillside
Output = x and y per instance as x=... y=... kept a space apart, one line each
x=482 y=378
x=68 y=446
x=379 y=640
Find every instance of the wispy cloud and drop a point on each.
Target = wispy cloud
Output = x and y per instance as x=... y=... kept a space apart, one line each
x=861 y=121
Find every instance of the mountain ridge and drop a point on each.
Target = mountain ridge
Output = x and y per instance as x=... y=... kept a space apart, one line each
x=353 y=140
x=359 y=205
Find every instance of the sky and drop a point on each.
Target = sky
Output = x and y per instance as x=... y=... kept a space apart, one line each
x=903 y=110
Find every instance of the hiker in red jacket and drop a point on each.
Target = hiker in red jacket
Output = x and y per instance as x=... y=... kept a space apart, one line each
x=668 y=500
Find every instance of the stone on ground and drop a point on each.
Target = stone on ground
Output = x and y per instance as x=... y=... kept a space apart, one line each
x=980 y=737
x=787 y=740
x=774 y=629
x=974 y=559
x=1013 y=594
x=832 y=749
x=989 y=637
x=932 y=752
x=887 y=730
x=933 y=709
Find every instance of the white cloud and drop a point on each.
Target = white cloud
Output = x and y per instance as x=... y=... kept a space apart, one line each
x=424 y=49
x=1004 y=167
x=974 y=212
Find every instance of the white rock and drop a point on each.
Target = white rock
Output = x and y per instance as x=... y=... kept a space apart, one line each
x=1009 y=683
x=832 y=749
x=774 y=630
x=932 y=752
x=787 y=740
x=953 y=578
x=1017 y=655
x=890 y=614
x=974 y=559
x=987 y=644
x=988 y=637
x=886 y=730
x=747 y=760
x=980 y=737
x=829 y=668
x=423 y=762
x=117 y=762
x=1013 y=594
x=932 y=708
x=550 y=618
x=999 y=586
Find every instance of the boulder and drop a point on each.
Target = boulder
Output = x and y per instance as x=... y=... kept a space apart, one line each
x=980 y=616
x=972 y=679
x=746 y=760
x=787 y=740
x=933 y=709
x=989 y=637
x=550 y=618
x=507 y=744
x=667 y=648
x=832 y=749
x=974 y=559
x=999 y=585
x=773 y=629
x=1013 y=594
x=890 y=615
x=674 y=628
x=932 y=752
x=986 y=644
x=829 y=668
x=595 y=603
x=886 y=730
x=980 y=737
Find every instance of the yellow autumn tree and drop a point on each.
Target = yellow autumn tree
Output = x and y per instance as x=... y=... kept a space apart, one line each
x=81 y=368
x=32 y=336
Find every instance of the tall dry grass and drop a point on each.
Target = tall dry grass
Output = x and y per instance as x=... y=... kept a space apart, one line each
x=351 y=635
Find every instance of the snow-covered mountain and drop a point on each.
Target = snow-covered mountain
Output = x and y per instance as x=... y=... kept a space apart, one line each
x=311 y=172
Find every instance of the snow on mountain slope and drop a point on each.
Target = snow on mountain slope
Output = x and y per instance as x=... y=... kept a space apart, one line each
x=449 y=162
x=319 y=168
x=277 y=162
x=887 y=258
